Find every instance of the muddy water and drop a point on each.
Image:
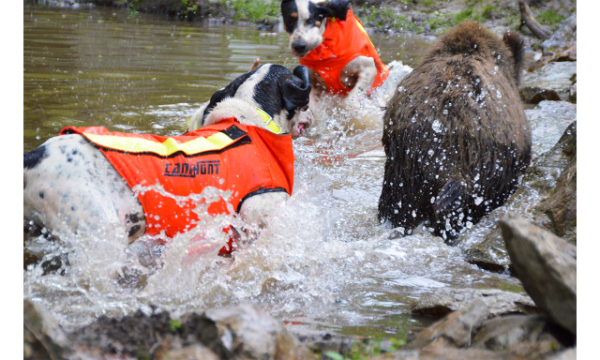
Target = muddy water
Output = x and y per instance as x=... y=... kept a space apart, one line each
x=324 y=264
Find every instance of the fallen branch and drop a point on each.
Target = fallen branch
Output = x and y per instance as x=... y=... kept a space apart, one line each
x=528 y=19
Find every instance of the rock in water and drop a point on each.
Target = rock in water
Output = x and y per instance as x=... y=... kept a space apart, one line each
x=444 y=301
x=548 y=192
x=248 y=330
x=243 y=332
x=561 y=204
x=190 y=353
x=490 y=254
x=547 y=267
x=43 y=338
x=505 y=332
x=551 y=82
x=436 y=352
x=566 y=33
x=569 y=354
x=573 y=93
x=455 y=329
x=548 y=122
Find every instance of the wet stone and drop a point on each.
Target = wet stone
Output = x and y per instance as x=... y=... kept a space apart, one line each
x=568 y=55
x=490 y=254
x=532 y=350
x=573 y=93
x=550 y=82
x=442 y=353
x=42 y=336
x=569 y=354
x=547 y=267
x=247 y=330
x=565 y=34
x=454 y=329
x=189 y=353
x=503 y=333
x=558 y=211
x=539 y=199
x=561 y=206
x=443 y=301
x=242 y=332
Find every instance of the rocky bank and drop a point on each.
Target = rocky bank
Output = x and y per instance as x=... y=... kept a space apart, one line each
x=243 y=332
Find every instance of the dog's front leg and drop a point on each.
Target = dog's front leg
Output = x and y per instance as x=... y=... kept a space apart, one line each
x=359 y=74
x=256 y=210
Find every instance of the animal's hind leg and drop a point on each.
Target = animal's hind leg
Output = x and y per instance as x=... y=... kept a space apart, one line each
x=70 y=187
x=450 y=210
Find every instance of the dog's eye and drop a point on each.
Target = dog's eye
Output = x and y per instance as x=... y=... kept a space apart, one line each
x=304 y=108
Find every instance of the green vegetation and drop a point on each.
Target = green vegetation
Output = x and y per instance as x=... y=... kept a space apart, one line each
x=174 y=324
x=253 y=10
x=132 y=7
x=417 y=16
x=360 y=352
x=465 y=15
x=375 y=17
x=189 y=9
x=438 y=23
x=488 y=12
x=550 y=18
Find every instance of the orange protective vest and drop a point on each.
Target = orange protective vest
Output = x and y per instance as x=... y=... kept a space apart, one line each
x=343 y=41
x=247 y=160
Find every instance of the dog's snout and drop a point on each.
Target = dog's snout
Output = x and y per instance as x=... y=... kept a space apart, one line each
x=299 y=46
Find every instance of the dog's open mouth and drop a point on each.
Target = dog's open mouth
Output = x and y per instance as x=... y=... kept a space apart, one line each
x=301 y=129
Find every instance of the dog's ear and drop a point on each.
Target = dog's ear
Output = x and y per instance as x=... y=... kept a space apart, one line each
x=295 y=96
x=334 y=8
x=228 y=91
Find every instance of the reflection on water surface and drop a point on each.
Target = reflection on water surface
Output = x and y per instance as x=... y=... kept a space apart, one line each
x=325 y=264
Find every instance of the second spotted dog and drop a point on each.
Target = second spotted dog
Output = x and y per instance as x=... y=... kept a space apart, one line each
x=332 y=42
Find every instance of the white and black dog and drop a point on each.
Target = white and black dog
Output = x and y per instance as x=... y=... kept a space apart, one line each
x=332 y=43
x=346 y=52
x=259 y=83
x=70 y=186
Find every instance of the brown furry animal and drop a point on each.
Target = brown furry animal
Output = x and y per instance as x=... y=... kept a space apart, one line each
x=455 y=133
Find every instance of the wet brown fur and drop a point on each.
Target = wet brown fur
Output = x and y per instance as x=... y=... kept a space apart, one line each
x=468 y=83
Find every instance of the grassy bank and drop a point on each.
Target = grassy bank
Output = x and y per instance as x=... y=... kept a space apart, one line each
x=431 y=17
x=436 y=16
x=255 y=11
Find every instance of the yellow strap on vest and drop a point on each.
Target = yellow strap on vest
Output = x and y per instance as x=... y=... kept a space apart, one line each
x=263 y=115
x=269 y=121
x=216 y=141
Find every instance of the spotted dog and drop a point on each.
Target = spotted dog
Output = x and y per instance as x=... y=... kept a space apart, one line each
x=83 y=179
x=258 y=84
x=332 y=42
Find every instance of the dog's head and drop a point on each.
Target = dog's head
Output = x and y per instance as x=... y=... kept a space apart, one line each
x=305 y=21
x=270 y=93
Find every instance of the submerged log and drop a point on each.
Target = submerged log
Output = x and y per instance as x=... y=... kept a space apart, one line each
x=528 y=19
